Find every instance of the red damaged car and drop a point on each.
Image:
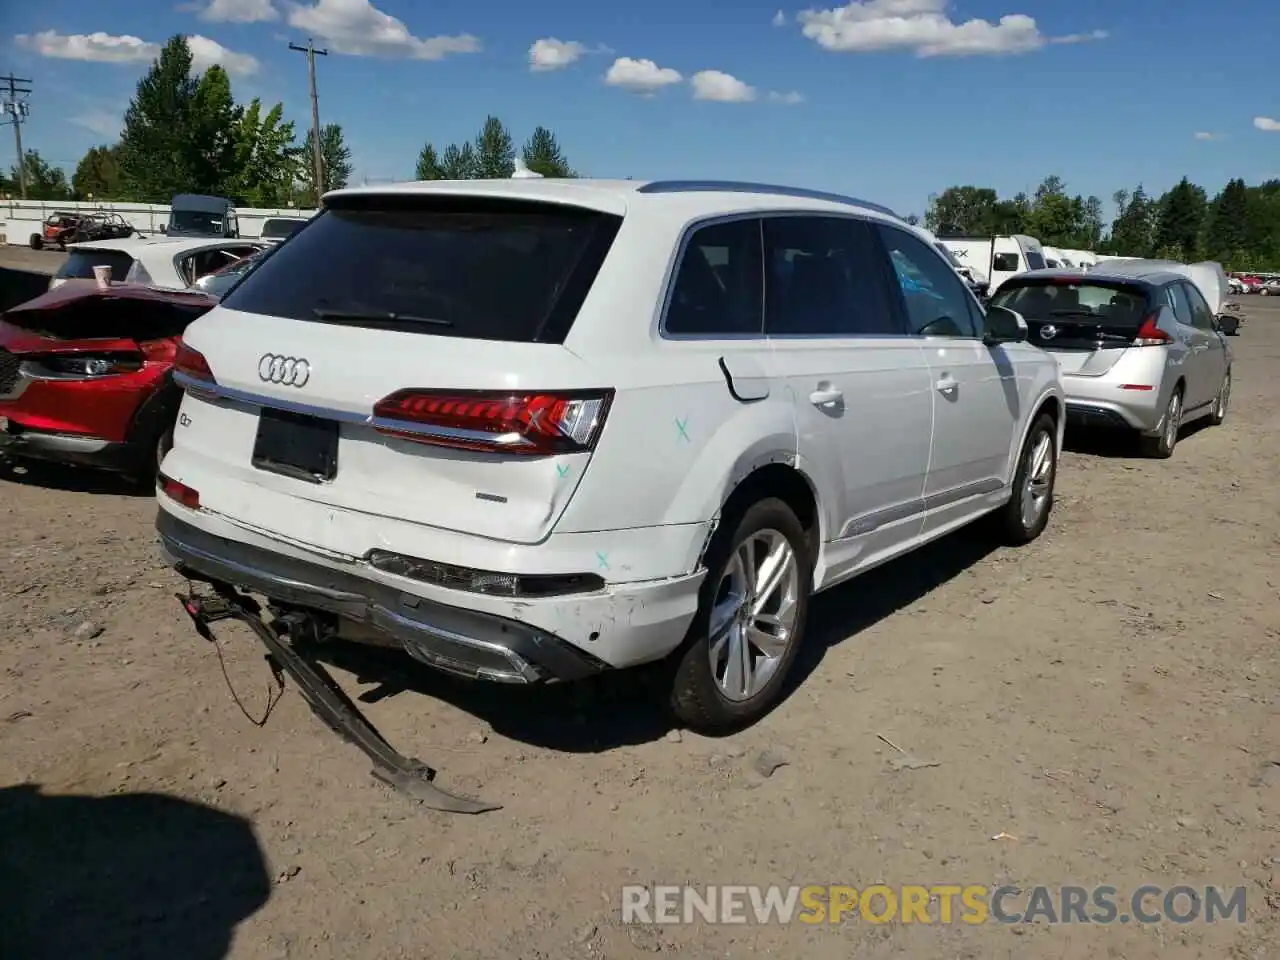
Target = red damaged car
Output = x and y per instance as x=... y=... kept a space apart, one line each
x=85 y=375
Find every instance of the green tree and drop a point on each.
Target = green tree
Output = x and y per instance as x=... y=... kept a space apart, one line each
x=1226 y=227
x=266 y=162
x=1091 y=225
x=155 y=144
x=1133 y=230
x=44 y=182
x=429 y=166
x=1179 y=221
x=213 y=125
x=542 y=154
x=459 y=162
x=1055 y=218
x=334 y=154
x=495 y=152
x=961 y=210
x=98 y=174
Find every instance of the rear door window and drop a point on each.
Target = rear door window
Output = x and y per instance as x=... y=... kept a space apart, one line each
x=452 y=266
x=80 y=263
x=1006 y=263
x=1201 y=312
x=1181 y=306
x=717 y=290
x=824 y=276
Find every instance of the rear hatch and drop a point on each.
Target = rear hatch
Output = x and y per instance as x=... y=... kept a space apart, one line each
x=1086 y=324
x=403 y=357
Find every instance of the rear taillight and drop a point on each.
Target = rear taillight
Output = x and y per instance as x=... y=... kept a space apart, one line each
x=1150 y=335
x=531 y=423
x=191 y=363
x=189 y=497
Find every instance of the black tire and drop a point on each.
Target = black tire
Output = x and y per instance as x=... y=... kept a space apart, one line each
x=696 y=698
x=36 y=242
x=1221 y=402
x=1161 y=447
x=1014 y=525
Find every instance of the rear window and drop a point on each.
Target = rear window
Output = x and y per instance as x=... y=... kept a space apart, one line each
x=1114 y=304
x=80 y=263
x=1034 y=260
x=453 y=266
x=279 y=229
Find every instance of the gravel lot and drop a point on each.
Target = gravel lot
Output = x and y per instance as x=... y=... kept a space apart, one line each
x=1106 y=699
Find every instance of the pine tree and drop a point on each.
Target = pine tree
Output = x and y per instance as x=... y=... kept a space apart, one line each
x=212 y=139
x=459 y=163
x=494 y=152
x=155 y=145
x=429 y=167
x=1179 y=219
x=542 y=154
x=1227 y=229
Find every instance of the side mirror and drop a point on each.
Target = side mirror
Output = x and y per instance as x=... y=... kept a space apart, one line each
x=1227 y=324
x=1003 y=325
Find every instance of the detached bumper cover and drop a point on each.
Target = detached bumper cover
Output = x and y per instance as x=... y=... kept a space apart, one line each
x=465 y=642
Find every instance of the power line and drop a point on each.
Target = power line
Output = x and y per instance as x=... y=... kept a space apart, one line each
x=16 y=111
x=317 y=156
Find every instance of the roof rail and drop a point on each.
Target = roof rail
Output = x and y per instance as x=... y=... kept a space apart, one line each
x=735 y=186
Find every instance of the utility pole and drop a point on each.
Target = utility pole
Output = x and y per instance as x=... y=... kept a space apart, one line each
x=17 y=111
x=317 y=155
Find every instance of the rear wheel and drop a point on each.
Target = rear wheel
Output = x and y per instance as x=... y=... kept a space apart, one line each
x=1161 y=446
x=1218 y=412
x=749 y=624
x=36 y=242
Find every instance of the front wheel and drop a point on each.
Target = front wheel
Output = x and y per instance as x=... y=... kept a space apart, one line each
x=749 y=624
x=1026 y=514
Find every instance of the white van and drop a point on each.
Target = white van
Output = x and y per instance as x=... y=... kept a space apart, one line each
x=994 y=260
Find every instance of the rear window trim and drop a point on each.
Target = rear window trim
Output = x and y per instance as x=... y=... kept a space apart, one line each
x=568 y=296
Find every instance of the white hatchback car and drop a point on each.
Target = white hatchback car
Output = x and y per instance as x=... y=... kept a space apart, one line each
x=532 y=430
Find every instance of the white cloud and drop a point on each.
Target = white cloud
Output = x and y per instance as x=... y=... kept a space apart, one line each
x=550 y=53
x=789 y=99
x=1208 y=136
x=205 y=53
x=926 y=28
x=105 y=48
x=779 y=19
x=1266 y=123
x=96 y=47
x=721 y=87
x=238 y=11
x=359 y=28
x=640 y=76
x=105 y=123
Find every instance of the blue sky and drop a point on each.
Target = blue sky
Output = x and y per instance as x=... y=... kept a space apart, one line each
x=886 y=99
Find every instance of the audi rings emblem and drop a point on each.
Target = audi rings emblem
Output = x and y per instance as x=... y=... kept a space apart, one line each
x=1047 y=332
x=289 y=371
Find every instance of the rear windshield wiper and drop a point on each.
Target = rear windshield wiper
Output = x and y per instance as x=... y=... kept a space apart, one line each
x=381 y=319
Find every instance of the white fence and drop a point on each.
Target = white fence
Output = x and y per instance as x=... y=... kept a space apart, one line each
x=19 y=219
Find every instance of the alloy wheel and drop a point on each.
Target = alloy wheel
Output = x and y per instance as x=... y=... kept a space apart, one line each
x=754 y=617
x=1038 y=484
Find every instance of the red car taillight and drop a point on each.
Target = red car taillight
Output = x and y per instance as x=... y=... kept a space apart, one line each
x=191 y=363
x=531 y=423
x=1150 y=335
x=189 y=497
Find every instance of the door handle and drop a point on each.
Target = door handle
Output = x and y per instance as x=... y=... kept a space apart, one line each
x=822 y=397
x=946 y=384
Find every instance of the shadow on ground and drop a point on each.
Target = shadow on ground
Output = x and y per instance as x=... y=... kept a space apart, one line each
x=57 y=476
x=140 y=876
x=1120 y=444
x=628 y=707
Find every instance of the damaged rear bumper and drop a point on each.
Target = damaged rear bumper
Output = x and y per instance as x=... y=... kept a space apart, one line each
x=473 y=643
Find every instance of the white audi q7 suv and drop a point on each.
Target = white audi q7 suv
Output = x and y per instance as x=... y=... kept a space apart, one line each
x=532 y=430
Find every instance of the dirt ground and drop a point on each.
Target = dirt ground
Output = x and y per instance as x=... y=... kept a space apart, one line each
x=1105 y=698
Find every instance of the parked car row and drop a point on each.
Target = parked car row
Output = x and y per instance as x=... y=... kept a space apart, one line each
x=534 y=430
x=1264 y=284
